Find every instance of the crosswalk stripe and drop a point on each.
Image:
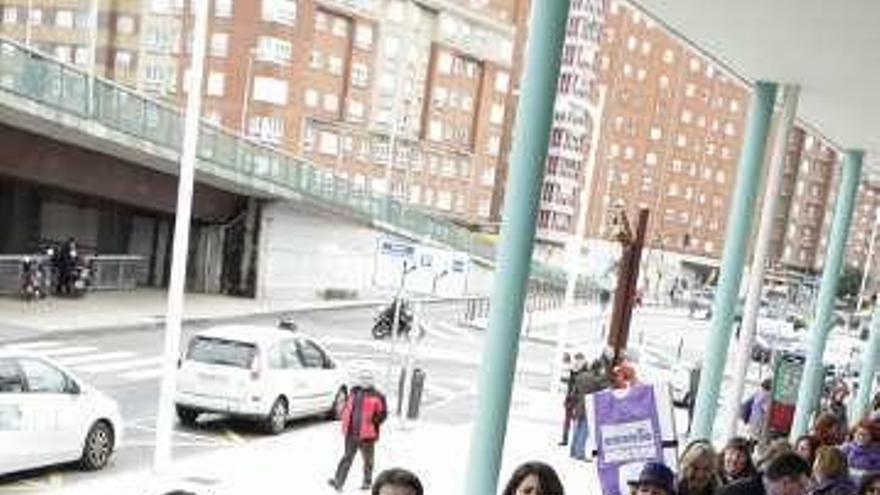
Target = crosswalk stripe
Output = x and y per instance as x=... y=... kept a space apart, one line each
x=93 y=358
x=67 y=351
x=120 y=366
x=136 y=376
x=33 y=346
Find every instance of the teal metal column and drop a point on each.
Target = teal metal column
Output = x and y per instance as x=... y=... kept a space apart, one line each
x=739 y=229
x=813 y=379
x=869 y=367
x=530 y=138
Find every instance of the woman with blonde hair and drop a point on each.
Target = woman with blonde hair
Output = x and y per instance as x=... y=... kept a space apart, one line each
x=831 y=473
x=697 y=470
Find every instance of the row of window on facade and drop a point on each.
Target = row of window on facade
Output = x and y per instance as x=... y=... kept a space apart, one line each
x=676 y=165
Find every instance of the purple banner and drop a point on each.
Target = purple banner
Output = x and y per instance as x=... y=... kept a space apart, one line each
x=627 y=433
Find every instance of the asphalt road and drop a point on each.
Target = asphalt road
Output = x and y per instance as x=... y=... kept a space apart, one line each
x=125 y=365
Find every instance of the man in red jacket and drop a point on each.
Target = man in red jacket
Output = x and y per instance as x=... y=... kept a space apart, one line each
x=364 y=412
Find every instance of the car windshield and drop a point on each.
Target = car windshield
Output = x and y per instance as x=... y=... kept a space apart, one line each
x=223 y=352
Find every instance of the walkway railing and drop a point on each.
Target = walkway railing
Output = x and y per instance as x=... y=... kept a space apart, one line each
x=39 y=78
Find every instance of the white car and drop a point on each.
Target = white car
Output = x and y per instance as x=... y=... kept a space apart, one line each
x=262 y=373
x=49 y=416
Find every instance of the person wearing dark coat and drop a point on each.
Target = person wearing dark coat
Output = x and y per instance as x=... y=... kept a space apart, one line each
x=831 y=473
x=786 y=474
x=587 y=380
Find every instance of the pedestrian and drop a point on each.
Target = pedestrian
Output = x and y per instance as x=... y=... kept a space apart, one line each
x=837 y=405
x=697 y=469
x=863 y=450
x=397 y=481
x=735 y=461
x=584 y=383
x=826 y=429
x=570 y=400
x=785 y=474
x=806 y=446
x=654 y=479
x=364 y=412
x=831 y=474
x=534 y=478
x=760 y=405
x=773 y=450
x=870 y=484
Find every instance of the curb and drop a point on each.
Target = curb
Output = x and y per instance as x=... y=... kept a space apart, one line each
x=197 y=321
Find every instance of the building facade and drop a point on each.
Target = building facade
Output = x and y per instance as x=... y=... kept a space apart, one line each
x=401 y=96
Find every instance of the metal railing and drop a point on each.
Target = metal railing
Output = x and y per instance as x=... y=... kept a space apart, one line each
x=111 y=272
x=37 y=77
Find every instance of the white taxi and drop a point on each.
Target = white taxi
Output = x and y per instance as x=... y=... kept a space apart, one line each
x=263 y=373
x=49 y=416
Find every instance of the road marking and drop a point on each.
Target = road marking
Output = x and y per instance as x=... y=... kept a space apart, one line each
x=49 y=482
x=66 y=351
x=136 y=376
x=120 y=366
x=32 y=346
x=92 y=358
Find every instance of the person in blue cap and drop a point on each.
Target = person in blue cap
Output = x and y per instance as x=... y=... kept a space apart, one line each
x=655 y=479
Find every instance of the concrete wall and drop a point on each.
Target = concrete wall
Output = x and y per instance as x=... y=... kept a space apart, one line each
x=303 y=250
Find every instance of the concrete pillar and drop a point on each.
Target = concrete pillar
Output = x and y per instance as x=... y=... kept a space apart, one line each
x=531 y=136
x=813 y=377
x=739 y=229
x=869 y=367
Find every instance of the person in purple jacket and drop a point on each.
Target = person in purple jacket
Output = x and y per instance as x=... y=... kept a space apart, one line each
x=863 y=450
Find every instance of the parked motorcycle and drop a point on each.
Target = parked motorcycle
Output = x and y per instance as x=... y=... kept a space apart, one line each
x=34 y=283
x=383 y=325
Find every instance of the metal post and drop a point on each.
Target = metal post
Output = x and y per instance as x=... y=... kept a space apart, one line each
x=866 y=374
x=739 y=229
x=761 y=251
x=812 y=380
x=532 y=131
x=625 y=295
x=575 y=244
x=165 y=421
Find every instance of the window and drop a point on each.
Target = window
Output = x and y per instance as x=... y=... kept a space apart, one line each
x=681 y=142
x=36 y=17
x=62 y=52
x=270 y=90
x=10 y=15
x=269 y=129
x=502 y=81
x=216 y=82
x=719 y=177
x=496 y=115
x=321 y=21
x=219 y=45
x=275 y=50
x=280 y=11
x=686 y=116
x=124 y=24
x=311 y=98
x=43 y=378
x=493 y=146
x=64 y=19
x=312 y=355
x=223 y=8
x=690 y=89
x=340 y=27
x=329 y=143
x=444 y=63
x=359 y=75
x=651 y=159
x=664 y=82
x=656 y=133
x=121 y=64
x=11 y=381
x=444 y=200
x=694 y=65
x=355 y=110
x=331 y=103
x=363 y=36
x=734 y=106
x=334 y=65
x=632 y=43
x=668 y=56
x=729 y=129
x=316 y=60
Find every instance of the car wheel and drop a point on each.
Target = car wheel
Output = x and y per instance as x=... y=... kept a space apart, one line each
x=339 y=400
x=276 y=421
x=98 y=447
x=187 y=415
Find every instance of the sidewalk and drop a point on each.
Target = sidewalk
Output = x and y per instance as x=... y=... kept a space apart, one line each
x=143 y=308
x=301 y=461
